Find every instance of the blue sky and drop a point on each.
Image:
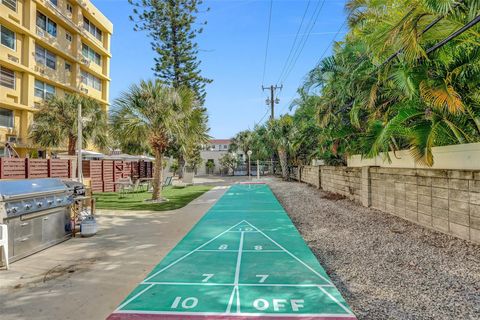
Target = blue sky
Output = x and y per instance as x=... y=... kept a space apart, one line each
x=232 y=53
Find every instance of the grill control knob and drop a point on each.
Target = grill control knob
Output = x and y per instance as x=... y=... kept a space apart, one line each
x=28 y=206
x=8 y=211
x=59 y=200
x=14 y=209
x=50 y=202
x=39 y=204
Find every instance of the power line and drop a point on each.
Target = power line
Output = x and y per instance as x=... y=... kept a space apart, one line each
x=331 y=42
x=294 y=42
x=263 y=117
x=454 y=35
x=321 y=57
x=268 y=41
x=309 y=28
x=428 y=27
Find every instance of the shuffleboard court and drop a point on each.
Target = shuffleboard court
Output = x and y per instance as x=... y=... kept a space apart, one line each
x=244 y=259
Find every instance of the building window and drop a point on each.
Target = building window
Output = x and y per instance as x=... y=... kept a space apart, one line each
x=54 y=2
x=44 y=90
x=90 y=27
x=68 y=36
x=6 y=118
x=46 y=24
x=89 y=53
x=11 y=4
x=68 y=66
x=225 y=146
x=7 y=78
x=7 y=37
x=91 y=81
x=69 y=7
x=45 y=57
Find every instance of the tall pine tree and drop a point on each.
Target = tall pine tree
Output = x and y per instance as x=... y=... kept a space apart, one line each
x=173 y=27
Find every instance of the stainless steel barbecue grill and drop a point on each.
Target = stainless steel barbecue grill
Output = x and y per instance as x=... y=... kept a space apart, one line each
x=36 y=212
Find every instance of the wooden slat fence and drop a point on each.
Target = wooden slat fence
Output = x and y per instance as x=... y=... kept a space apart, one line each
x=108 y=176
x=93 y=169
x=102 y=173
x=24 y=168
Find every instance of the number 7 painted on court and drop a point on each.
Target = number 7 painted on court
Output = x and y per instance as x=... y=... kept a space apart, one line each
x=207 y=276
x=262 y=277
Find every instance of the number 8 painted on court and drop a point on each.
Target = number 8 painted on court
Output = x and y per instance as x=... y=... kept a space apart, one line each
x=187 y=303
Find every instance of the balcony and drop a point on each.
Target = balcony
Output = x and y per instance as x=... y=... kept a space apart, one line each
x=60 y=76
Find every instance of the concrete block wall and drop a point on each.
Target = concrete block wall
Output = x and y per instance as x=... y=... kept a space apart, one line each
x=342 y=180
x=310 y=175
x=444 y=200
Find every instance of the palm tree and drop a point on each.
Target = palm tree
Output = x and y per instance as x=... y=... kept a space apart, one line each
x=242 y=141
x=280 y=135
x=153 y=117
x=196 y=134
x=55 y=123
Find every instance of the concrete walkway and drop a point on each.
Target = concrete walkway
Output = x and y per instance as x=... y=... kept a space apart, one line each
x=86 y=278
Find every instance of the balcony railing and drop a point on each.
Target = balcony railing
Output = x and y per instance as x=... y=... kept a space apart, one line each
x=63 y=77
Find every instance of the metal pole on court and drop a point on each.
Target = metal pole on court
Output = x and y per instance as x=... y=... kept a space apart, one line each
x=249 y=153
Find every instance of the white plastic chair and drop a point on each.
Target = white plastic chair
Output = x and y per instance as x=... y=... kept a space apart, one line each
x=4 y=242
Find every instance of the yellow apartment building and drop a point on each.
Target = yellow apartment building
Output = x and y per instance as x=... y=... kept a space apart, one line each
x=49 y=47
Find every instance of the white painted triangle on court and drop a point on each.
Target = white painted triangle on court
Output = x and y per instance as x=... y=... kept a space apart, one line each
x=270 y=254
x=259 y=254
x=186 y=259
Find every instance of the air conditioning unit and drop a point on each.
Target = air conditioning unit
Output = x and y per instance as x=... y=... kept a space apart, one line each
x=84 y=90
x=12 y=139
x=85 y=61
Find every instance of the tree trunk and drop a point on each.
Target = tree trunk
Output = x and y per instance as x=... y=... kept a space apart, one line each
x=157 y=175
x=282 y=154
x=72 y=145
x=181 y=166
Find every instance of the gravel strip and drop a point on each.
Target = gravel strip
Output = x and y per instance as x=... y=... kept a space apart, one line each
x=385 y=267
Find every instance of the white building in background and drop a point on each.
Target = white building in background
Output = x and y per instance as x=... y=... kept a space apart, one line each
x=212 y=152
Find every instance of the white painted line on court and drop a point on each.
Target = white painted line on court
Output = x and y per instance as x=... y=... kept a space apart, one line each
x=189 y=253
x=216 y=250
x=134 y=297
x=335 y=300
x=189 y=283
x=242 y=314
x=239 y=259
x=238 y=299
x=291 y=254
x=244 y=231
x=260 y=251
x=228 y=250
x=302 y=285
x=230 y=301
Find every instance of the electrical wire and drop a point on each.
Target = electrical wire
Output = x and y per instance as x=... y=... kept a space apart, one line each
x=294 y=42
x=303 y=42
x=268 y=41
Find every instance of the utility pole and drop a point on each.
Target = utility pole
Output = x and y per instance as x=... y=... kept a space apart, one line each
x=272 y=100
